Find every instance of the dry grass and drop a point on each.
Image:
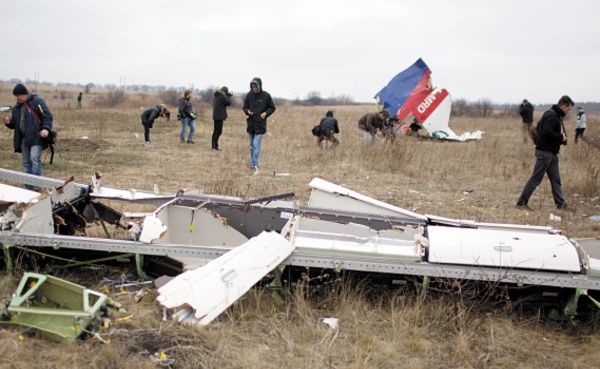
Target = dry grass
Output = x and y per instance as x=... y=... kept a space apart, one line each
x=391 y=329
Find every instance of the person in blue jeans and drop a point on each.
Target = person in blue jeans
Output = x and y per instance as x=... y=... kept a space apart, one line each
x=32 y=122
x=187 y=116
x=258 y=105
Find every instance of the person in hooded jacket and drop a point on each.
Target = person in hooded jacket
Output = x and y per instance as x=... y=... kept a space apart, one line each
x=526 y=113
x=186 y=116
x=579 y=124
x=221 y=100
x=551 y=137
x=148 y=117
x=258 y=105
x=32 y=122
x=327 y=128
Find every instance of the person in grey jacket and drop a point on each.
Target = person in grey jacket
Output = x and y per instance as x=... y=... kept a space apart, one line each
x=221 y=100
x=32 y=122
x=579 y=124
x=186 y=116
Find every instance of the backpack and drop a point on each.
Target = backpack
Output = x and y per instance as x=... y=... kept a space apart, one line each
x=316 y=130
x=535 y=132
x=48 y=141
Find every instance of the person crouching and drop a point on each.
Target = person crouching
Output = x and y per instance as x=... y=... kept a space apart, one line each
x=327 y=128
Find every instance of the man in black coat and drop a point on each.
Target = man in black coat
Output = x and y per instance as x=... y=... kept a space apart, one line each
x=327 y=128
x=258 y=105
x=550 y=137
x=526 y=113
x=221 y=100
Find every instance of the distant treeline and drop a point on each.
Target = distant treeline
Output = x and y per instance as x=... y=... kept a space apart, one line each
x=460 y=107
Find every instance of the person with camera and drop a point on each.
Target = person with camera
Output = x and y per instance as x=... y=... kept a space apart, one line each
x=221 y=100
x=526 y=113
x=186 y=116
x=258 y=105
x=551 y=136
x=372 y=125
x=32 y=122
x=328 y=127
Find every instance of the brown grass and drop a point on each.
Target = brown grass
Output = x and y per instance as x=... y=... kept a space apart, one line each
x=386 y=331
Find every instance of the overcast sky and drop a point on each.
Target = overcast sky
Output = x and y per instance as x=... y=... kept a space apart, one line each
x=503 y=50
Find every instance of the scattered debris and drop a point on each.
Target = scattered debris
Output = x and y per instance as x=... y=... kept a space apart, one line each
x=59 y=310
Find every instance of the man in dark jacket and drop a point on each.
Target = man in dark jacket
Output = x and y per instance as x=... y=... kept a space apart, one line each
x=32 y=122
x=371 y=125
x=221 y=100
x=148 y=118
x=551 y=137
x=526 y=113
x=327 y=128
x=186 y=116
x=258 y=105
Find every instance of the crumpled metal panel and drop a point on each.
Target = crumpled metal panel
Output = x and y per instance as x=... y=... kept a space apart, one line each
x=203 y=294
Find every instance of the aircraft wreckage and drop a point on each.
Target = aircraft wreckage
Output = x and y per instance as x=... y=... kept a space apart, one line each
x=218 y=247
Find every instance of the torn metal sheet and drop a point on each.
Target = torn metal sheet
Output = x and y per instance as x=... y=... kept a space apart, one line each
x=11 y=194
x=338 y=238
x=329 y=195
x=502 y=248
x=204 y=293
x=590 y=249
x=26 y=211
x=60 y=310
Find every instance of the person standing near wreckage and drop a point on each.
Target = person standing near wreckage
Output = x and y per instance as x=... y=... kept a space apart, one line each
x=258 y=105
x=550 y=137
x=371 y=124
x=32 y=122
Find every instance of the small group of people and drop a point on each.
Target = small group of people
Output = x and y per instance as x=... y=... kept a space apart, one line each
x=258 y=105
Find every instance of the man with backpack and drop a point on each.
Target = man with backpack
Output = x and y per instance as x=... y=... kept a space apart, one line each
x=551 y=135
x=32 y=122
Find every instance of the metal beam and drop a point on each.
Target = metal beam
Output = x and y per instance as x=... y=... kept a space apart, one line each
x=307 y=258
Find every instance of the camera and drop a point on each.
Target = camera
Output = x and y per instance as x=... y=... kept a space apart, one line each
x=193 y=115
x=229 y=94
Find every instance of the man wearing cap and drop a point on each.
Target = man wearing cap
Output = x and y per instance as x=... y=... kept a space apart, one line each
x=258 y=105
x=32 y=121
x=579 y=124
x=221 y=100
x=526 y=113
x=371 y=125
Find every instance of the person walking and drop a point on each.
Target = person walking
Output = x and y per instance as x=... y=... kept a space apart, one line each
x=526 y=113
x=371 y=124
x=79 y=97
x=31 y=121
x=550 y=137
x=148 y=117
x=327 y=128
x=221 y=100
x=258 y=105
x=186 y=116
x=579 y=124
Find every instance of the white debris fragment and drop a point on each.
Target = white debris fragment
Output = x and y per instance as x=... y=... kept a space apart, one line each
x=555 y=218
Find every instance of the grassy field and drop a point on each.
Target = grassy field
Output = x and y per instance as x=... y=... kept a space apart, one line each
x=385 y=328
